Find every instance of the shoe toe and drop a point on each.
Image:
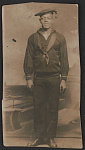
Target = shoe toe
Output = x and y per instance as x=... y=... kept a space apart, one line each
x=53 y=144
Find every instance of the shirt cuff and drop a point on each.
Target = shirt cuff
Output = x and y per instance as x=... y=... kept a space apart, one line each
x=64 y=77
x=28 y=77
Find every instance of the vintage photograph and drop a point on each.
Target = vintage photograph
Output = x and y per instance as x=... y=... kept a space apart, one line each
x=41 y=75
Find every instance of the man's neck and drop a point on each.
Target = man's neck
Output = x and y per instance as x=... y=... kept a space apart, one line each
x=46 y=32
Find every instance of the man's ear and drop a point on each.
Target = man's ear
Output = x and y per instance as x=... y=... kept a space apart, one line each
x=40 y=20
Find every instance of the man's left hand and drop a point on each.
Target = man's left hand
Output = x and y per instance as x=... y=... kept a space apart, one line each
x=62 y=86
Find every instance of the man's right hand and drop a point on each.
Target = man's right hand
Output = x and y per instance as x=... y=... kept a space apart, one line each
x=29 y=83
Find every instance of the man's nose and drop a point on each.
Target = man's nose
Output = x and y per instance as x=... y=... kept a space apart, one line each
x=45 y=19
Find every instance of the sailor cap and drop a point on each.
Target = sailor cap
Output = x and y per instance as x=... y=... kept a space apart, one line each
x=43 y=12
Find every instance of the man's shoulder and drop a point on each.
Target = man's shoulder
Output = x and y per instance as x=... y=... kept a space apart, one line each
x=60 y=36
x=32 y=36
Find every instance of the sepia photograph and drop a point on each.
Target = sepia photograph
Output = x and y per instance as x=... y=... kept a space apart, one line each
x=41 y=75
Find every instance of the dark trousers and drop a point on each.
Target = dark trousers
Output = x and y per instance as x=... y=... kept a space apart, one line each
x=46 y=98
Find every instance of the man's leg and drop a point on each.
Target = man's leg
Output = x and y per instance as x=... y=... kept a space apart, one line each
x=39 y=108
x=53 y=102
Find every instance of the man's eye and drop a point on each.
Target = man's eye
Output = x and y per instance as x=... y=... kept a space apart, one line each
x=45 y=18
x=48 y=18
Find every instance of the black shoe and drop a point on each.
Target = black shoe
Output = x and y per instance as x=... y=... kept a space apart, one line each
x=46 y=141
x=36 y=143
x=52 y=143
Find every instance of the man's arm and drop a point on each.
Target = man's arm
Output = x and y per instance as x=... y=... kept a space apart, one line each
x=28 y=63
x=64 y=64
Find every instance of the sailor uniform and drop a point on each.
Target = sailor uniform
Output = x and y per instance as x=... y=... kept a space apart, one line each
x=50 y=66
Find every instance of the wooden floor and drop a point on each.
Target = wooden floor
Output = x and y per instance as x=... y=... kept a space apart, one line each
x=68 y=136
x=61 y=142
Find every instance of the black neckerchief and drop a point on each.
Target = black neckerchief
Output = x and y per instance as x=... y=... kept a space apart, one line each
x=52 y=38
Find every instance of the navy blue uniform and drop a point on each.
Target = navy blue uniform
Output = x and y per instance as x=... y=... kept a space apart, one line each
x=47 y=78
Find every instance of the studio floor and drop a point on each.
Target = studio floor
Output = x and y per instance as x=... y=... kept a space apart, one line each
x=68 y=136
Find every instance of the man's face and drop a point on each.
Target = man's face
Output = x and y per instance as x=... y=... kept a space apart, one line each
x=46 y=20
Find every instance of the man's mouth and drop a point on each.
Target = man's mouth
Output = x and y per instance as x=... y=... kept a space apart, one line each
x=46 y=24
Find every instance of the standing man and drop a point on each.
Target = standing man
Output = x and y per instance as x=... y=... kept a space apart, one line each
x=46 y=58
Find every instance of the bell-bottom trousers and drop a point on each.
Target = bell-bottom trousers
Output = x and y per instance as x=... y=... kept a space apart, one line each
x=46 y=93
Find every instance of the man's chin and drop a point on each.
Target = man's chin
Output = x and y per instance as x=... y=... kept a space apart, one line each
x=46 y=28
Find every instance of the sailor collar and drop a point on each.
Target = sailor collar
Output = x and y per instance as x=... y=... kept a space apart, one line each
x=41 y=30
